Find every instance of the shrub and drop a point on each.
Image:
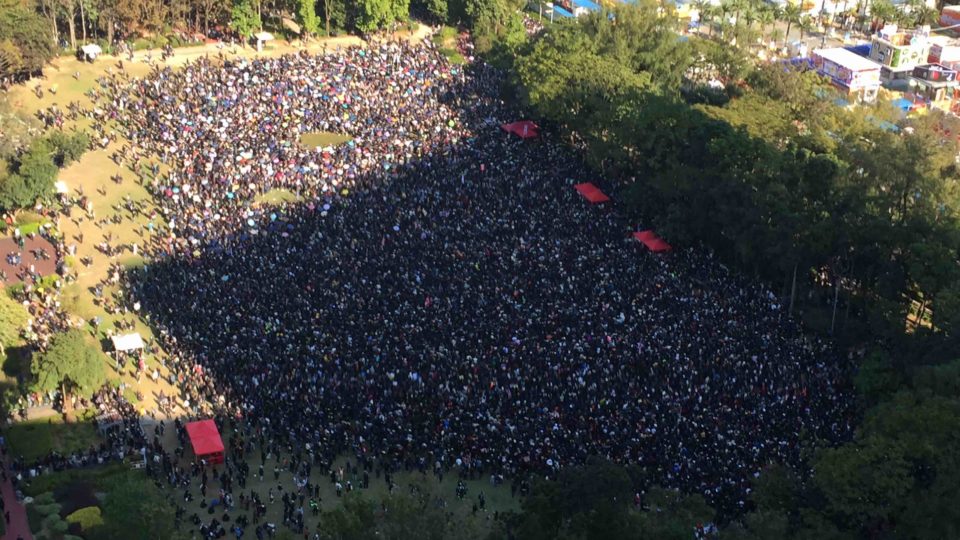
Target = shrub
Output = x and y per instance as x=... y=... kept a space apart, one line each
x=86 y=517
x=60 y=526
x=141 y=44
x=44 y=498
x=53 y=521
x=48 y=509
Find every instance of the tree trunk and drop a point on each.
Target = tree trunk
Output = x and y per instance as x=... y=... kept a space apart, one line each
x=83 y=22
x=326 y=14
x=67 y=405
x=110 y=32
x=786 y=36
x=72 y=25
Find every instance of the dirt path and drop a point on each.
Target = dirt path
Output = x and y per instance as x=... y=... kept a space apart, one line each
x=17 y=526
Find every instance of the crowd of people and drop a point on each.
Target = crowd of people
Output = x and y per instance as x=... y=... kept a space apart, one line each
x=439 y=296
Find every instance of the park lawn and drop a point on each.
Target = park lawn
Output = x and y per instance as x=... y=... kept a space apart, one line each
x=61 y=73
x=35 y=438
x=323 y=139
x=446 y=42
x=99 y=477
x=277 y=197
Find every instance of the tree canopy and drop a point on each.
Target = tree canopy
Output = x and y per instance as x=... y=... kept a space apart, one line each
x=71 y=363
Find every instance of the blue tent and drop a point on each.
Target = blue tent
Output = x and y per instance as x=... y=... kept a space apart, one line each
x=562 y=12
x=903 y=104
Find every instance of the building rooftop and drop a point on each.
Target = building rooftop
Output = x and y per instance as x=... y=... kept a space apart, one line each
x=847 y=59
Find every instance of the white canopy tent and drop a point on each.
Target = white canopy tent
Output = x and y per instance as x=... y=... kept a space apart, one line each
x=127 y=342
x=91 y=51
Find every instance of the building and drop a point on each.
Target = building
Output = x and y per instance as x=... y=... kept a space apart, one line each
x=899 y=52
x=944 y=51
x=933 y=82
x=857 y=77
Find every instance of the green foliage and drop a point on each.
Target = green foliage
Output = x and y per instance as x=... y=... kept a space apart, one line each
x=70 y=363
x=44 y=498
x=13 y=317
x=52 y=522
x=371 y=15
x=244 y=18
x=437 y=10
x=26 y=43
x=32 y=174
x=86 y=517
x=307 y=17
x=353 y=520
x=68 y=147
x=135 y=509
x=48 y=509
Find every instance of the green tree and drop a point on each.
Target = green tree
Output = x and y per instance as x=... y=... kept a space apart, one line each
x=13 y=317
x=791 y=15
x=373 y=15
x=307 y=17
x=244 y=18
x=437 y=10
x=353 y=520
x=26 y=43
x=135 y=509
x=70 y=364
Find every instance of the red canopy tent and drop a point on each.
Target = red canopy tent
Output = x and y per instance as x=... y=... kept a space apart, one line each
x=591 y=193
x=206 y=441
x=525 y=129
x=653 y=242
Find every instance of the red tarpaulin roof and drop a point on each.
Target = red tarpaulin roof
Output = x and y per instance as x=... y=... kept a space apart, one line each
x=525 y=129
x=591 y=192
x=652 y=241
x=205 y=438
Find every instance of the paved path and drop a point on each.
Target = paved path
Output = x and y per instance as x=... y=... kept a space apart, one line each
x=18 y=526
x=28 y=257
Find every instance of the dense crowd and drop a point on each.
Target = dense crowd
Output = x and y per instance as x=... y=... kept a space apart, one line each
x=440 y=297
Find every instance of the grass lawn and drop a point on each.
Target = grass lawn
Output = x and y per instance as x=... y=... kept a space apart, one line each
x=35 y=438
x=96 y=476
x=277 y=196
x=446 y=42
x=323 y=139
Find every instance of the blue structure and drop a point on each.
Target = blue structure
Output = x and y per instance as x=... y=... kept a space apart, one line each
x=562 y=12
x=585 y=4
x=862 y=50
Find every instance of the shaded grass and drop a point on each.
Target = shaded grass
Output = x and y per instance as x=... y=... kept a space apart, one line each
x=446 y=42
x=35 y=438
x=323 y=139
x=60 y=482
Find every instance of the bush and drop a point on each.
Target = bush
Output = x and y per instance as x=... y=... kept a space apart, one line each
x=44 y=498
x=141 y=44
x=48 y=509
x=86 y=517
x=53 y=521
